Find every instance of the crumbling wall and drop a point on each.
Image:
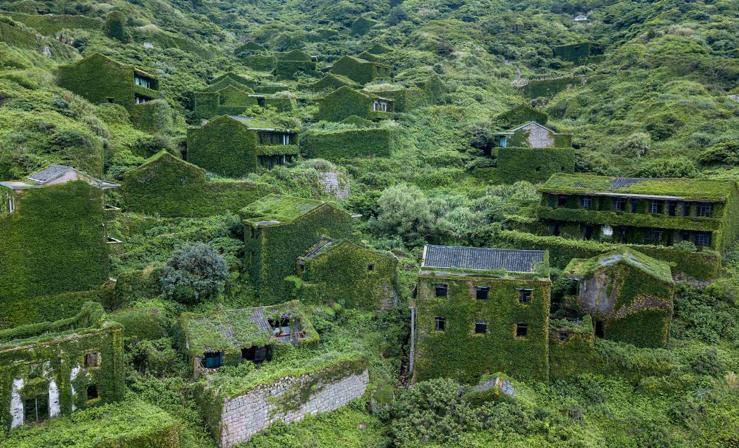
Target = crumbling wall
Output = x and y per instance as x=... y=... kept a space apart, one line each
x=246 y=415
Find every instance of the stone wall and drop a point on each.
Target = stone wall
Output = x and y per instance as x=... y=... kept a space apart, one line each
x=245 y=416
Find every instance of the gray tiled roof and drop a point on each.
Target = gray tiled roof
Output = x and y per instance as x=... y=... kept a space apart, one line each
x=50 y=173
x=481 y=258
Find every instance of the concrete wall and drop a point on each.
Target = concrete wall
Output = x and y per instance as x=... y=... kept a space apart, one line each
x=245 y=416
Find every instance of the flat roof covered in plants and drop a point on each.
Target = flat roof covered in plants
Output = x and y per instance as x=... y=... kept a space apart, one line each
x=664 y=188
x=585 y=267
x=278 y=209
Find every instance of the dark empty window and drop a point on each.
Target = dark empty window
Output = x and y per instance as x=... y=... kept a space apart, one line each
x=212 y=360
x=482 y=292
x=440 y=323
x=564 y=335
x=92 y=392
x=672 y=208
x=280 y=326
x=686 y=209
x=654 y=207
x=654 y=236
x=36 y=409
x=702 y=239
x=524 y=295
x=522 y=330
x=619 y=204
x=587 y=232
x=634 y=206
x=370 y=267
x=440 y=290
x=561 y=201
x=704 y=210
x=599 y=330
x=481 y=327
x=92 y=359
x=256 y=354
x=586 y=202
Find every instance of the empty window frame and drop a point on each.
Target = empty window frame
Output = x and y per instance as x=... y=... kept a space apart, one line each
x=654 y=237
x=92 y=392
x=702 y=239
x=140 y=99
x=704 y=210
x=92 y=360
x=481 y=327
x=212 y=360
x=36 y=409
x=441 y=290
x=482 y=292
x=522 y=330
x=439 y=323
x=257 y=355
x=525 y=294
x=686 y=209
x=672 y=208
x=11 y=204
x=563 y=335
x=370 y=267
x=634 y=206
x=379 y=106
x=599 y=329
x=655 y=207
x=586 y=202
x=561 y=201
x=619 y=204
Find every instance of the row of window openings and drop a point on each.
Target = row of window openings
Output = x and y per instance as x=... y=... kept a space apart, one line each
x=257 y=355
x=483 y=292
x=379 y=106
x=143 y=82
x=481 y=327
x=702 y=239
x=36 y=409
x=655 y=207
x=267 y=138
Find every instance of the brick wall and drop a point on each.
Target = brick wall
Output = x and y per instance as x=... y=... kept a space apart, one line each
x=251 y=413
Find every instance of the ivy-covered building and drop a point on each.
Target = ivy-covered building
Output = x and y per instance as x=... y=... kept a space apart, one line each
x=332 y=81
x=627 y=294
x=292 y=62
x=280 y=229
x=100 y=79
x=345 y=102
x=642 y=210
x=50 y=369
x=362 y=141
x=230 y=336
x=522 y=114
x=166 y=185
x=481 y=311
x=360 y=70
x=235 y=146
x=231 y=94
x=54 y=235
x=533 y=152
x=344 y=272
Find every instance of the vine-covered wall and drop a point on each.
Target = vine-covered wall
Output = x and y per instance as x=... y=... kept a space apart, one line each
x=534 y=164
x=272 y=250
x=49 y=358
x=223 y=146
x=458 y=352
x=549 y=87
x=522 y=114
x=342 y=103
x=53 y=243
x=168 y=186
x=28 y=310
x=351 y=275
x=343 y=144
x=360 y=70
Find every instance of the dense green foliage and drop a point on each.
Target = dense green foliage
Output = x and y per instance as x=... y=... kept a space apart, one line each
x=346 y=143
x=194 y=274
x=534 y=164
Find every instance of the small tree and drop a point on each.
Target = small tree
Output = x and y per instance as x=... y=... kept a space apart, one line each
x=637 y=144
x=115 y=26
x=194 y=273
x=404 y=210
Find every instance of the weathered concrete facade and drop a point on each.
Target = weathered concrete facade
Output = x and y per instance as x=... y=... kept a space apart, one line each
x=247 y=415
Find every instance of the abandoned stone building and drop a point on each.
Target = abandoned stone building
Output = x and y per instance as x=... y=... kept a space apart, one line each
x=481 y=310
x=344 y=272
x=627 y=294
x=641 y=210
x=345 y=102
x=55 y=233
x=100 y=79
x=532 y=152
x=231 y=336
x=231 y=94
x=360 y=70
x=280 y=229
x=235 y=146
x=50 y=369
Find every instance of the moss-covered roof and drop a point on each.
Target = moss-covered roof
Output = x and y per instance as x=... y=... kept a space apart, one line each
x=693 y=189
x=275 y=208
x=260 y=124
x=231 y=329
x=90 y=317
x=164 y=156
x=586 y=267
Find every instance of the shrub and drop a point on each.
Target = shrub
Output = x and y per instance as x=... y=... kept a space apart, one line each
x=637 y=144
x=723 y=153
x=194 y=273
x=115 y=26
x=673 y=167
x=707 y=363
x=404 y=210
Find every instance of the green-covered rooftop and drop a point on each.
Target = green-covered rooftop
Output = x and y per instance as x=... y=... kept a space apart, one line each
x=275 y=209
x=585 y=267
x=689 y=189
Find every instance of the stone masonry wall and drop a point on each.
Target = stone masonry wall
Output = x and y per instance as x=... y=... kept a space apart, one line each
x=251 y=413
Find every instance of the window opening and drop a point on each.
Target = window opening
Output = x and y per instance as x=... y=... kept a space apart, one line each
x=441 y=290
x=482 y=292
x=524 y=295
x=522 y=330
x=440 y=323
x=481 y=327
